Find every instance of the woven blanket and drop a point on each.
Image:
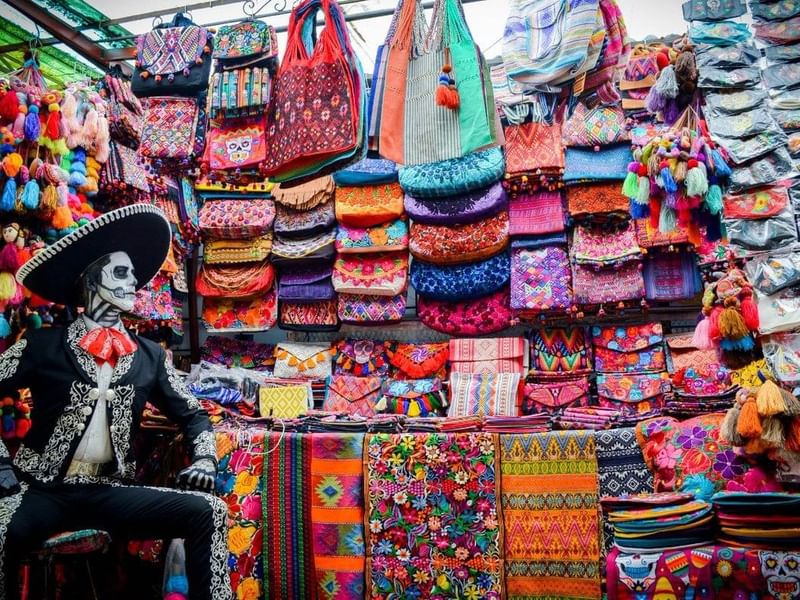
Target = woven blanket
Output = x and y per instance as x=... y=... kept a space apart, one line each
x=621 y=470
x=550 y=513
x=288 y=550
x=240 y=467
x=337 y=514
x=433 y=518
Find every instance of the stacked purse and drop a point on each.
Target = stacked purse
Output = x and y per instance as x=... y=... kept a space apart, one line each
x=370 y=273
x=459 y=242
x=236 y=278
x=246 y=58
x=303 y=255
x=630 y=362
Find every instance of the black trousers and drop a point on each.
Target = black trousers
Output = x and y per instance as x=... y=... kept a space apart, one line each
x=124 y=512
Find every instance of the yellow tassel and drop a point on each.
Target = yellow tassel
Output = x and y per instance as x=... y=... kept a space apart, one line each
x=791 y=402
x=731 y=324
x=727 y=428
x=769 y=400
x=8 y=286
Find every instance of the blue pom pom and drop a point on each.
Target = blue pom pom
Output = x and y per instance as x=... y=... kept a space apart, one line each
x=9 y=196
x=8 y=423
x=177 y=583
x=5 y=328
x=30 y=196
x=76 y=179
x=32 y=128
x=79 y=155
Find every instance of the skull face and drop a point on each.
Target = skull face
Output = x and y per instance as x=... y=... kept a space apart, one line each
x=363 y=350
x=239 y=148
x=637 y=572
x=781 y=570
x=117 y=284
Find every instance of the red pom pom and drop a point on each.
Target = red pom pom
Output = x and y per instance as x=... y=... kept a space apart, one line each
x=662 y=60
x=642 y=171
x=692 y=163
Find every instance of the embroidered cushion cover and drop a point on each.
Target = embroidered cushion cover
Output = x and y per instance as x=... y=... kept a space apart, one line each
x=484 y=394
x=303 y=360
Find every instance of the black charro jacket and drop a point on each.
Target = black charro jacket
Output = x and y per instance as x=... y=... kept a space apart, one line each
x=62 y=378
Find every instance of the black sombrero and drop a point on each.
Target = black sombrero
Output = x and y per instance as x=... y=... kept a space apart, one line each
x=140 y=230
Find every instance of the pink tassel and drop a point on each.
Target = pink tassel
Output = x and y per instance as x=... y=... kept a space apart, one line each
x=9 y=260
x=701 y=339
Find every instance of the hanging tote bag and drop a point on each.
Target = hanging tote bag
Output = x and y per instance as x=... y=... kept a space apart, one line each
x=314 y=114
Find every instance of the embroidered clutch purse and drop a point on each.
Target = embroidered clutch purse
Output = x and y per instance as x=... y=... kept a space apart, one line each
x=238 y=281
x=238 y=144
x=354 y=396
x=316 y=251
x=245 y=43
x=640 y=395
x=683 y=353
x=595 y=246
x=488 y=355
x=492 y=394
x=284 y=402
x=291 y=223
x=369 y=171
x=387 y=237
x=533 y=146
x=454 y=176
x=306 y=195
x=489 y=314
x=419 y=361
x=652 y=237
x=541 y=279
x=307 y=285
x=225 y=315
x=460 y=282
x=236 y=219
x=460 y=243
x=560 y=352
x=467 y=208
x=610 y=284
x=373 y=274
x=536 y=214
x=671 y=276
x=599 y=126
x=312 y=361
x=229 y=252
x=169 y=127
x=364 y=309
x=555 y=396
x=626 y=349
x=369 y=205
x=759 y=204
x=417 y=398
x=609 y=164
x=308 y=316
x=361 y=358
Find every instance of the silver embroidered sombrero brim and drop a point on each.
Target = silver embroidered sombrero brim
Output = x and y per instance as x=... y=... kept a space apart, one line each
x=140 y=230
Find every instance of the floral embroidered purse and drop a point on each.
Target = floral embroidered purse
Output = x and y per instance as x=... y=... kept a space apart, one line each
x=373 y=274
x=365 y=206
x=361 y=358
x=554 y=396
x=489 y=314
x=312 y=361
x=236 y=219
x=460 y=282
x=608 y=284
x=364 y=309
x=488 y=355
x=245 y=43
x=488 y=394
x=627 y=349
x=461 y=243
x=223 y=315
x=420 y=361
x=354 y=396
x=387 y=237
x=639 y=395
x=454 y=176
x=417 y=398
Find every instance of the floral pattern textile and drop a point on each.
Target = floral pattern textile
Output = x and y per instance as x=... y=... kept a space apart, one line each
x=633 y=394
x=454 y=283
x=337 y=514
x=373 y=274
x=541 y=279
x=632 y=348
x=417 y=361
x=459 y=244
x=224 y=315
x=550 y=515
x=369 y=205
x=675 y=450
x=432 y=514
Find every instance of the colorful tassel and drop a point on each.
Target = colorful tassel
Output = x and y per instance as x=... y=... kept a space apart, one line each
x=30 y=195
x=731 y=324
x=749 y=310
x=727 y=428
x=697 y=181
x=769 y=400
x=714 y=199
x=791 y=403
x=701 y=339
x=749 y=425
x=668 y=182
x=772 y=432
x=630 y=187
x=667 y=219
x=5 y=328
x=446 y=92
x=9 y=197
x=721 y=168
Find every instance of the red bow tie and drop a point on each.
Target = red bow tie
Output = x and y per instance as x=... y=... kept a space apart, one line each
x=107 y=344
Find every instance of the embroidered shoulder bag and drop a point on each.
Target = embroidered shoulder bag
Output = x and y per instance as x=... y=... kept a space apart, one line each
x=354 y=396
x=312 y=361
x=362 y=358
x=419 y=361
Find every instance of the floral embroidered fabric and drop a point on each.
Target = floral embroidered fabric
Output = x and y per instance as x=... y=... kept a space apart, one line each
x=459 y=243
x=225 y=315
x=482 y=316
x=365 y=206
x=386 y=237
x=466 y=208
x=454 y=283
x=633 y=394
x=236 y=219
x=373 y=274
x=632 y=348
x=417 y=361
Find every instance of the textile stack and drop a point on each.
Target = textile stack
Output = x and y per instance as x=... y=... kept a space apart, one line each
x=371 y=271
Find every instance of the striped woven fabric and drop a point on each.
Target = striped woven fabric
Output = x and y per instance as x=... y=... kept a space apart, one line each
x=550 y=512
x=337 y=514
x=288 y=550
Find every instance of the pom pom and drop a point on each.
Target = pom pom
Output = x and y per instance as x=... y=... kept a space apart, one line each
x=49 y=198
x=62 y=219
x=696 y=182
x=769 y=400
x=178 y=584
x=772 y=432
x=749 y=425
x=630 y=187
x=12 y=163
x=714 y=199
x=9 y=197
x=669 y=184
x=76 y=179
x=727 y=428
x=8 y=286
x=721 y=168
x=30 y=195
x=9 y=106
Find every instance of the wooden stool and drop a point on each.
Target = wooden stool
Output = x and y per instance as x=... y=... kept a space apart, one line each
x=73 y=545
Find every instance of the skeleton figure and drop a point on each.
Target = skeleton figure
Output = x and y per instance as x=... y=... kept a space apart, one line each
x=89 y=384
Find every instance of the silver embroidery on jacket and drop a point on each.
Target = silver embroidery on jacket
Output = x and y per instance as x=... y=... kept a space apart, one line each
x=8 y=507
x=179 y=385
x=205 y=444
x=121 y=424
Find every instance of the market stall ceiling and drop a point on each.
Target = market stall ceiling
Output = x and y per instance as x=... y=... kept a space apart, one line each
x=485 y=17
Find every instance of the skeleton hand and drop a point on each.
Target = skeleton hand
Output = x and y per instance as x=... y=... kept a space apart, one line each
x=8 y=481
x=199 y=476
